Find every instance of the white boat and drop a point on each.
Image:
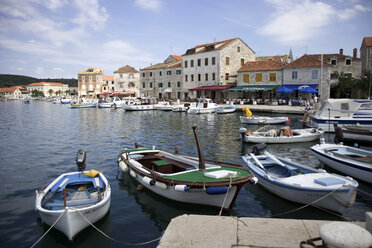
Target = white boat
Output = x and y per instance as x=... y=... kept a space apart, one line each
x=145 y=104
x=184 y=179
x=351 y=161
x=278 y=136
x=73 y=199
x=342 y=112
x=248 y=118
x=65 y=100
x=357 y=133
x=182 y=107
x=302 y=184
x=225 y=109
x=104 y=104
x=204 y=106
x=117 y=102
x=83 y=103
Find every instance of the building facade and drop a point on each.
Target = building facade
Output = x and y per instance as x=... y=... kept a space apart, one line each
x=127 y=78
x=210 y=69
x=16 y=92
x=48 y=88
x=90 y=82
x=108 y=84
x=163 y=80
x=366 y=54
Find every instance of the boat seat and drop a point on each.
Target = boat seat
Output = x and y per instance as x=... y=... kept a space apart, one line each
x=277 y=171
x=59 y=204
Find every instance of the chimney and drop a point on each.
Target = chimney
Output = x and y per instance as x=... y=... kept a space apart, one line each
x=341 y=51
x=355 y=53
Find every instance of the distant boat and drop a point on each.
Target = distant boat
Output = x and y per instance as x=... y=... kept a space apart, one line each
x=26 y=101
x=204 y=106
x=65 y=100
x=248 y=118
x=351 y=161
x=357 y=133
x=83 y=103
x=302 y=184
x=73 y=198
x=225 y=109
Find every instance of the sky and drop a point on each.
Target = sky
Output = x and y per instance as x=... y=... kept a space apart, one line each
x=60 y=38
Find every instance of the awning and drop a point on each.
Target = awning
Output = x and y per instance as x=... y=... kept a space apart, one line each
x=168 y=90
x=297 y=86
x=216 y=87
x=250 y=88
x=128 y=92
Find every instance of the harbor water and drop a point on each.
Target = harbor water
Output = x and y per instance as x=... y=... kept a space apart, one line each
x=39 y=141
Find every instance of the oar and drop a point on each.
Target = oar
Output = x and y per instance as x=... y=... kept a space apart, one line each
x=55 y=191
x=279 y=162
x=96 y=179
x=258 y=162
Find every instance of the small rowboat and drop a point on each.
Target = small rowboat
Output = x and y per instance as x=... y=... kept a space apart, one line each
x=185 y=179
x=225 y=109
x=302 y=184
x=272 y=137
x=73 y=199
x=262 y=120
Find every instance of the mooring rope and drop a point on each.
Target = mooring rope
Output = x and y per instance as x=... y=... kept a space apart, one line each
x=224 y=200
x=364 y=192
x=47 y=230
x=115 y=240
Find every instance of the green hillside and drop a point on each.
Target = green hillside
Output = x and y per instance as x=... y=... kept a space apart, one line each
x=7 y=80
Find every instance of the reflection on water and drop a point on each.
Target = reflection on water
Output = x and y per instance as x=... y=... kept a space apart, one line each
x=40 y=141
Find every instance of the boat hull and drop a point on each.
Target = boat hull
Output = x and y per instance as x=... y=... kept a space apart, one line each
x=201 y=110
x=226 y=110
x=83 y=105
x=304 y=135
x=357 y=134
x=139 y=107
x=262 y=120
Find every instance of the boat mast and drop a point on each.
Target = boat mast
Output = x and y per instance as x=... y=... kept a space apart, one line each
x=201 y=157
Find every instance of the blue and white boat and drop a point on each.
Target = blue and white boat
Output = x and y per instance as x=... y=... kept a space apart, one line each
x=342 y=112
x=83 y=103
x=351 y=161
x=225 y=109
x=302 y=184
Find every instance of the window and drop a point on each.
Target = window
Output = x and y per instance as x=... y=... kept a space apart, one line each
x=206 y=76
x=258 y=77
x=314 y=74
x=97 y=78
x=178 y=72
x=112 y=88
x=83 y=78
x=199 y=77
x=131 y=84
x=150 y=84
x=272 y=77
x=348 y=61
x=186 y=64
x=169 y=84
x=226 y=76
x=238 y=49
x=169 y=72
x=121 y=75
x=199 y=62
x=192 y=63
x=160 y=72
x=294 y=74
x=185 y=78
x=241 y=62
x=178 y=95
x=227 y=60
x=160 y=85
x=333 y=62
x=143 y=85
x=213 y=60
x=90 y=78
x=150 y=73
x=246 y=78
x=83 y=87
x=131 y=76
x=213 y=76
x=143 y=74
x=178 y=84
x=121 y=85
x=333 y=76
x=206 y=62
x=192 y=78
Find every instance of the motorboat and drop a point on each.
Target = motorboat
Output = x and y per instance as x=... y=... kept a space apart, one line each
x=164 y=106
x=248 y=118
x=145 y=104
x=357 y=133
x=204 y=106
x=351 y=161
x=117 y=102
x=185 y=179
x=104 y=103
x=342 y=112
x=74 y=199
x=280 y=136
x=65 y=100
x=83 y=103
x=182 y=107
x=225 y=109
x=298 y=183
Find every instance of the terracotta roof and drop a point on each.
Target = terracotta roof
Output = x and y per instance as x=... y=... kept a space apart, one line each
x=368 y=41
x=308 y=61
x=265 y=65
x=92 y=71
x=44 y=83
x=262 y=58
x=163 y=66
x=209 y=47
x=8 y=90
x=108 y=78
x=126 y=69
x=177 y=57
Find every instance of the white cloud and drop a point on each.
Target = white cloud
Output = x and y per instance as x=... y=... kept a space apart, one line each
x=54 y=4
x=39 y=71
x=149 y=4
x=91 y=14
x=57 y=69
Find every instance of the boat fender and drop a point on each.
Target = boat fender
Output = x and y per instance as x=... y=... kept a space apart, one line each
x=123 y=166
x=132 y=173
x=149 y=181
x=253 y=180
x=216 y=190
x=322 y=141
x=160 y=185
x=181 y=188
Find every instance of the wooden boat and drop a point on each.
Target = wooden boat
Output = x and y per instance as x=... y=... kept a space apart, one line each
x=351 y=161
x=185 y=179
x=302 y=184
x=361 y=134
x=73 y=198
x=225 y=109
x=248 y=118
x=278 y=137
x=204 y=106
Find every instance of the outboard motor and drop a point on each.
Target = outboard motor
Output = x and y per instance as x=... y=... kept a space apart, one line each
x=257 y=149
x=80 y=159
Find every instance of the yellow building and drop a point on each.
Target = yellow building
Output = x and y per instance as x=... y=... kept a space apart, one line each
x=90 y=82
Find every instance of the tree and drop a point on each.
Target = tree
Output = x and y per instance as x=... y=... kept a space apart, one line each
x=50 y=91
x=348 y=86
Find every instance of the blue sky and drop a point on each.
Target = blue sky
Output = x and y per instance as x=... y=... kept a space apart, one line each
x=60 y=38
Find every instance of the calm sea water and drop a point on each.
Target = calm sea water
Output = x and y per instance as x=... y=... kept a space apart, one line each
x=39 y=141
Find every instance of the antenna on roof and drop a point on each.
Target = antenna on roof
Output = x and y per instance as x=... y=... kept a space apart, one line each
x=214 y=39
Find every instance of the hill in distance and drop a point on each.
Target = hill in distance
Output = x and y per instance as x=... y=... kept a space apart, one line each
x=7 y=80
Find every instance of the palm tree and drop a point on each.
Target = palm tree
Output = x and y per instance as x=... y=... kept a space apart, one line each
x=50 y=91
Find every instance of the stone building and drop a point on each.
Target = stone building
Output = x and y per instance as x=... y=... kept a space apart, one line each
x=108 y=84
x=210 y=69
x=163 y=80
x=127 y=78
x=48 y=88
x=16 y=92
x=90 y=82
x=366 y=54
